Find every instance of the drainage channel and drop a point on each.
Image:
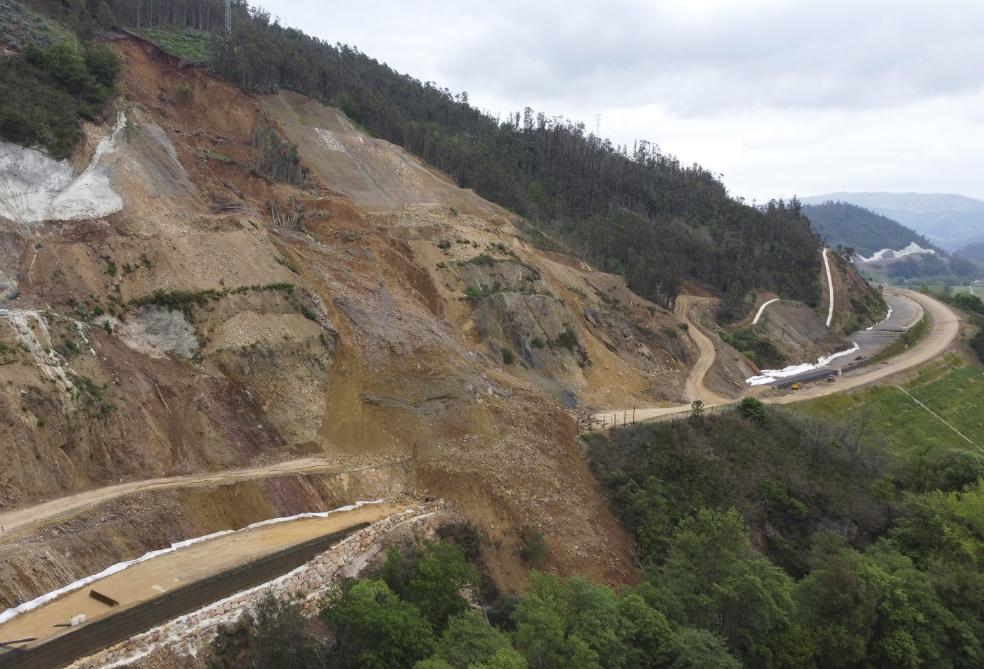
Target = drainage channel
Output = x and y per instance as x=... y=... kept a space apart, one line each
x=93 y=637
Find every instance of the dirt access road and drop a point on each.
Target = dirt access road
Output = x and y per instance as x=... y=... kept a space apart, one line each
x=148 y=580
x=943 y=331
x=56 y=509
x=695 y=388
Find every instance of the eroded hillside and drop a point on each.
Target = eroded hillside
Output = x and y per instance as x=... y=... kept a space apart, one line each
x=214 y=318
x=216 y=280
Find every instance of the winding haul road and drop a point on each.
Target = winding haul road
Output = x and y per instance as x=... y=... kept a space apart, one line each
x=944 y=327
x=695 y=387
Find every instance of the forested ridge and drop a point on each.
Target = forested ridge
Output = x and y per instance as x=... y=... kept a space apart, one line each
x=851 y=226
x=634 y=211
x=842 y=224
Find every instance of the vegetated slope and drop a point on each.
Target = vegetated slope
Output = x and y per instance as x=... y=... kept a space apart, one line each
x=949 y=221
x=847 y=225
x=57 y=87
x=856 y=304
x=852 y=227
x=879 y=557
x=933 y=269
x=972 y=308
x=950 y=389
x=639 y=213
x=19 y=26
x=253 y=301
x=786 y=476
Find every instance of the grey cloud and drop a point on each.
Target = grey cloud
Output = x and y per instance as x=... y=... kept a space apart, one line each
x=784 y=55
x=783 y=96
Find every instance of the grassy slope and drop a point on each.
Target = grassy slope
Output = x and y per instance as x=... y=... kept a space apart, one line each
x=19 y=26
x=950 y=387
x=192 y=45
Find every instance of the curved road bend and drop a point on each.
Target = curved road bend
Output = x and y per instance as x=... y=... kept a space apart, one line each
x=695 y=388
x=943 y=331
x=944 y=328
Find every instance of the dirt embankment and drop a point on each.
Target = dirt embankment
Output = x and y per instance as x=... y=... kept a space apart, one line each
x=396 y=317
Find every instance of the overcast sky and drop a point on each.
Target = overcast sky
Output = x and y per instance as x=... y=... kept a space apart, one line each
x=783 y=97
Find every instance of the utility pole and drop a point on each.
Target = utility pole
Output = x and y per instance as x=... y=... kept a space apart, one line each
x=228 y=18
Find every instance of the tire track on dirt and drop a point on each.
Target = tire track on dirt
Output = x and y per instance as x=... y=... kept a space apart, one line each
x=695 y=388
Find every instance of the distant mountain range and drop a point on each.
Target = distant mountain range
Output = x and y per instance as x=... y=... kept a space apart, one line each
x=887 y=249
x=973 y=251
x=844 y=224
x=949 y=221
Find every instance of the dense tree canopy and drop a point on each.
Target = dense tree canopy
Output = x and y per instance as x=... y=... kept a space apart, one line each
x=56 y=87
x=888 y=554
x=848 y=225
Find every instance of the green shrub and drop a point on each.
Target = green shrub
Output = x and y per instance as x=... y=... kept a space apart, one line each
x=182 y=93
x=482 y=260
x=977 y=345
x=191 y=45
x=753 y=410
x=533 y=549
x=275 y=158
x=507 y=356
x=566 y=339
x=276 y=630
x=751 y=344
x=177 y=300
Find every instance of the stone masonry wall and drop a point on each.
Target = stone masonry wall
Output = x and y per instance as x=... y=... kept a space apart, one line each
x=309 y=583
